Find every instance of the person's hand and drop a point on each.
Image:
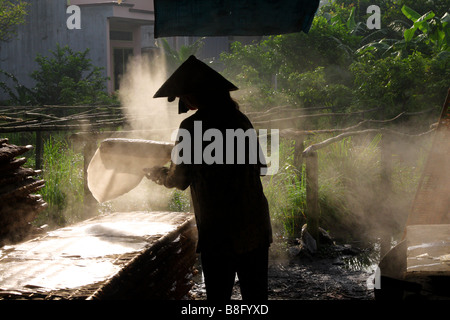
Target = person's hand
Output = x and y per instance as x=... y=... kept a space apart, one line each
x=156 y=174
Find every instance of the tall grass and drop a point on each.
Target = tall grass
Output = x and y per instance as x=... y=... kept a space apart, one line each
x=62 y=170
x=286 y=194
x=179 y=201
x=352 y=201
x=349 y=179
x=64 y=188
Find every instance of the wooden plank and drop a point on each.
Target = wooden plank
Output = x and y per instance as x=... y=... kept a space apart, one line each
x=83 y=259
x=312 y=194
x=431 y=204
x=428 y=250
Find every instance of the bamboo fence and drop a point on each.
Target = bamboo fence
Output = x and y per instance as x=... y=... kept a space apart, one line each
x=92 y=123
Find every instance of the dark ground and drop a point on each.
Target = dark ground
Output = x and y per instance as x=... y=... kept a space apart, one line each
x=337 y=273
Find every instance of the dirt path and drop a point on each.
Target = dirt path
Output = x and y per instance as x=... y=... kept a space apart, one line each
x=320 y=277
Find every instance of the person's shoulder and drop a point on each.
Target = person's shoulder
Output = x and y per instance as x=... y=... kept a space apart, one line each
x=244 y=118
x=189 y=121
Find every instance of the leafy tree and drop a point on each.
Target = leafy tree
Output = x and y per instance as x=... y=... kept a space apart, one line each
x=65 y=78
x=175 y=58
x=300 y=63
x=435 y=32
x=314 y=88
x=391 y=10
x=12 y=13
x=389 y=82
x=408 y=73
x=68 y=77
x=251 y=64
x=394 y=10
x=401 y=84
x=428 y=34
x=338 y=64
x=326 y=43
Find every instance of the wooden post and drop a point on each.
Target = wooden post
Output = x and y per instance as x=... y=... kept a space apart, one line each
x=312 y=195
x=385 y=194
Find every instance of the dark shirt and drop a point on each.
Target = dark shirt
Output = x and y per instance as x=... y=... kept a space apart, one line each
x=231 y=210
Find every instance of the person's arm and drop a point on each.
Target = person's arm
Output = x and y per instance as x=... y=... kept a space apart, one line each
x=174 y=177
x=177 y=175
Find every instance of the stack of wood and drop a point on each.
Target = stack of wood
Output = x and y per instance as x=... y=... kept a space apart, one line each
x=19 y=206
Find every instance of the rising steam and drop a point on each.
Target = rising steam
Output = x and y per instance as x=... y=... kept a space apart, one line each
x=154 y=118
x=147 y=118
x=350 y=174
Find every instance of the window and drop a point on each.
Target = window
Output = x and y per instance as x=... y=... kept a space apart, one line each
x=120 y=58
x=121 y=35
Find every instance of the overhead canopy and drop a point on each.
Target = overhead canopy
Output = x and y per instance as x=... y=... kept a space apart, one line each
x=232 y=17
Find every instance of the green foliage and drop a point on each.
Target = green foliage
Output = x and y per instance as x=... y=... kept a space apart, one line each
x=179 y=201
x=175 y=58
x=316 y=89
x=328 y=42
x=394 y=12
x=401 y=84
x=300 y=63
x=19 y=94
x=428 y=35
x=65 y=78
x=68 y=78
x=64 y=189
x=250 y=65
x=339 y=64
x=350 y=189
x=406 y=74
x=343 y=65
x=392 y=82
x=325 y=44
x=12 y=13
x=435 y=32
x=286 y=194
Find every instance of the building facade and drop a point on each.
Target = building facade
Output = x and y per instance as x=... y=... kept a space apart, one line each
x=112 y=31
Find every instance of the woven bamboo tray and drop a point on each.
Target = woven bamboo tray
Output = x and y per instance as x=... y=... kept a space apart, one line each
x=124 y=255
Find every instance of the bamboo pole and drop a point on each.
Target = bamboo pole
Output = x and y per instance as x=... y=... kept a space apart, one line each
x=313 y=116
x=312 y=195
x=65 y=127
x=386 y=191
x=320 y=145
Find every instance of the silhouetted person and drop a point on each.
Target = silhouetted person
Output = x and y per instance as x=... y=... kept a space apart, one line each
x=231 y=210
